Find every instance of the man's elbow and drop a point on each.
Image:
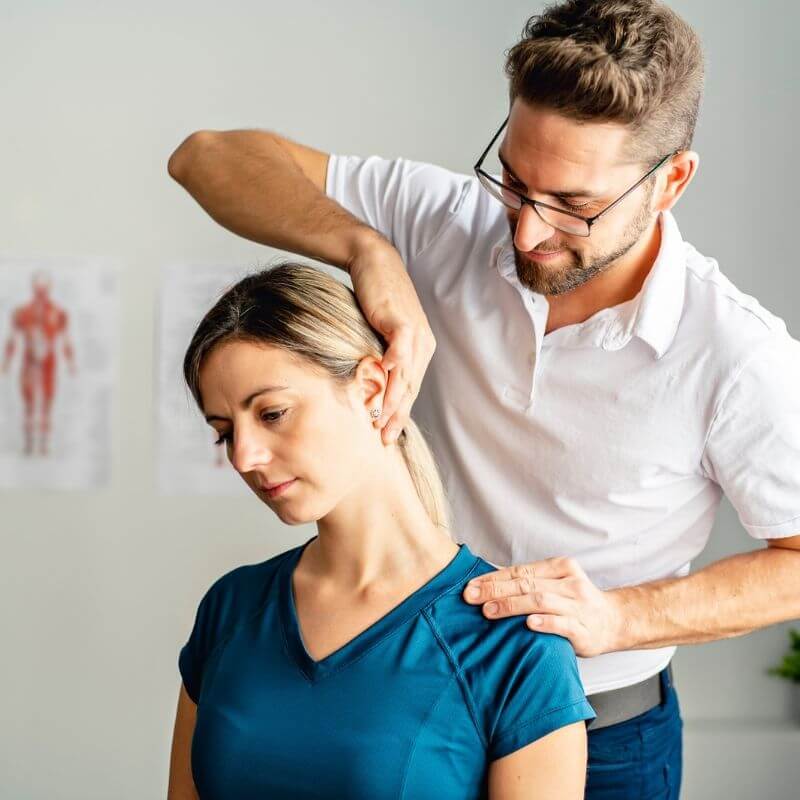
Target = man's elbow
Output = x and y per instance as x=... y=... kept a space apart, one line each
x=187 y=151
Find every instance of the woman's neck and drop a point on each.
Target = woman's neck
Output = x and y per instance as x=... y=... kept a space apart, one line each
x=380 y=535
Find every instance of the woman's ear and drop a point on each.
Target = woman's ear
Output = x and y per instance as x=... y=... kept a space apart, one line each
x=681 y=170
x=369 y=383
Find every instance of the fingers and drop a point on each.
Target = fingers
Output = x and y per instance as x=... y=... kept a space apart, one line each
x=406 y=359
x=534 y=603
x=401 y=348
x=397 y=402
x=553 y=623
x=495 y=590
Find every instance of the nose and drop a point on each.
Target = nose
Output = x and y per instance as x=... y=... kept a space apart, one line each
x=531 y=229
x=248 y=451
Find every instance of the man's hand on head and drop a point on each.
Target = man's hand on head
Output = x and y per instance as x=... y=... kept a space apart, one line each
x=557 y=597
x=390 y=304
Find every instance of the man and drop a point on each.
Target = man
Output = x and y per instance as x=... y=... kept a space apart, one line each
x=597 y=384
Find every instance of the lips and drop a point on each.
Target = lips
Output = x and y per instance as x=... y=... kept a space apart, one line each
x=277 y=489
x=535 y=255
x=266 y=487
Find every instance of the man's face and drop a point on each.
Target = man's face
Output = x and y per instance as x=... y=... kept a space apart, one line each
x=548 y=157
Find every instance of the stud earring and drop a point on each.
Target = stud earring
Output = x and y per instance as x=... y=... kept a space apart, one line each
x=375 y=413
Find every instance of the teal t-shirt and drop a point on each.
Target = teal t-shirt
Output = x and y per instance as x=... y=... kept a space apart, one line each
x=416 y=706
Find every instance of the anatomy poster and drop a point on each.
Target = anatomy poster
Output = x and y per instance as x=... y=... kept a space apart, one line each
x=188 y=460
x=58 y=334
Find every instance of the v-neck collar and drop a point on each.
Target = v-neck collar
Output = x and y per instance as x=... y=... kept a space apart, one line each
x=455 y=572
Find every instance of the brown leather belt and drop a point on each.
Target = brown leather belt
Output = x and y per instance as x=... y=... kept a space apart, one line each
x=627 y=702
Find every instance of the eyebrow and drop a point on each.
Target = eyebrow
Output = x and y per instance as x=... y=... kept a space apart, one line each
x=245 y=404
x=551 y=192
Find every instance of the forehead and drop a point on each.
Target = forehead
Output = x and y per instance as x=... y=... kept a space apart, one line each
x=549 y=149
x=232 y=368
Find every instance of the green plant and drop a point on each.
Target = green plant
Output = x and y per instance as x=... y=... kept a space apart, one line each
x=790 y=666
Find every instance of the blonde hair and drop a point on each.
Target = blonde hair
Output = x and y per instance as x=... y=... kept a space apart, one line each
x=634 y=62
x=317 y=319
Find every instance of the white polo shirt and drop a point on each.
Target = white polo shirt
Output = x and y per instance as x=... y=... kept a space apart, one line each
x=609 y=440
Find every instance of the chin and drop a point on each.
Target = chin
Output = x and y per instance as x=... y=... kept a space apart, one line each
x=294 y=512
x=289 y=516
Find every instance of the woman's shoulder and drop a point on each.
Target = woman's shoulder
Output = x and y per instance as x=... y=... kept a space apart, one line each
x=241 y=591
x=230 y=601
x=521 y=683
x=473 y=637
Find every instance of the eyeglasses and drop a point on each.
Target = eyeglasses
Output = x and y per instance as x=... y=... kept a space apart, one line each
x=559 y=218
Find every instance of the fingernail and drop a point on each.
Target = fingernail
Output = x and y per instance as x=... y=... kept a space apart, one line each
x=535 y=620
x=491 y=608
x=473 y=592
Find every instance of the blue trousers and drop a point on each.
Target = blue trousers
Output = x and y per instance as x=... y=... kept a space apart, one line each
x=641 y=758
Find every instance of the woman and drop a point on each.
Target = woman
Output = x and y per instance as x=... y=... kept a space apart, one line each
x=351 y=666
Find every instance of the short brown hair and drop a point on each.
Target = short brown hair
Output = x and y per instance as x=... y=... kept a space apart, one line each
x=634 y=62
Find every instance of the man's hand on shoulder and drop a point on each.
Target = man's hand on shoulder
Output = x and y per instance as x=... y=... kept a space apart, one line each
x=558 y=597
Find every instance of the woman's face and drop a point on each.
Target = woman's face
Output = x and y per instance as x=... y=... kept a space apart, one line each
x=282 y=421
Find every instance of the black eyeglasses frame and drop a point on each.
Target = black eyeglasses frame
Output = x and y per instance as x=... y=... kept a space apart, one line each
x=482 y=174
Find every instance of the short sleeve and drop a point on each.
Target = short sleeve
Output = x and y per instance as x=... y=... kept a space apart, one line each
x=409 y=202
x=541 y=692
x=212 y=609
x=753 y=446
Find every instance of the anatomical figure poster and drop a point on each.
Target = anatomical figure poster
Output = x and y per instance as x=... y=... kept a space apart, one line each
x=58 y=368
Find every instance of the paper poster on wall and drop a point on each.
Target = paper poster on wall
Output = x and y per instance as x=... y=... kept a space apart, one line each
x=58 y=368
x=188 y=462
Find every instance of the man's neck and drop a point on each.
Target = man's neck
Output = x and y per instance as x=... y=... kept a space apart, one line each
x=619 y=283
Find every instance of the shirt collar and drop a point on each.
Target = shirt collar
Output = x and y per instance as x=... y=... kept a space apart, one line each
x=652 y=316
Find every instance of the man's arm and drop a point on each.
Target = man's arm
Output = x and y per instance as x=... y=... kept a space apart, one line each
x=266 y=188
x=728 y=598
x=731 y=597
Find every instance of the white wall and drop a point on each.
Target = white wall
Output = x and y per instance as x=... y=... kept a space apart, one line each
x=98 y=589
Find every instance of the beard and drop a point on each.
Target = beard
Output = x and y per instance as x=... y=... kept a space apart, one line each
x=581 y=267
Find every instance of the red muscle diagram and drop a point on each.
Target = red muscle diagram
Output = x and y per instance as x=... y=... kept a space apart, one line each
x=38 y=327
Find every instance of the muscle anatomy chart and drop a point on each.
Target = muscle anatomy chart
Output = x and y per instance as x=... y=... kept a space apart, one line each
x=58 y=329
x=188 y=461
x=38 y=326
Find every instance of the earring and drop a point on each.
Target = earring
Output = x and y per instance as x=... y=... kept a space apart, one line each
x=375 y=413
